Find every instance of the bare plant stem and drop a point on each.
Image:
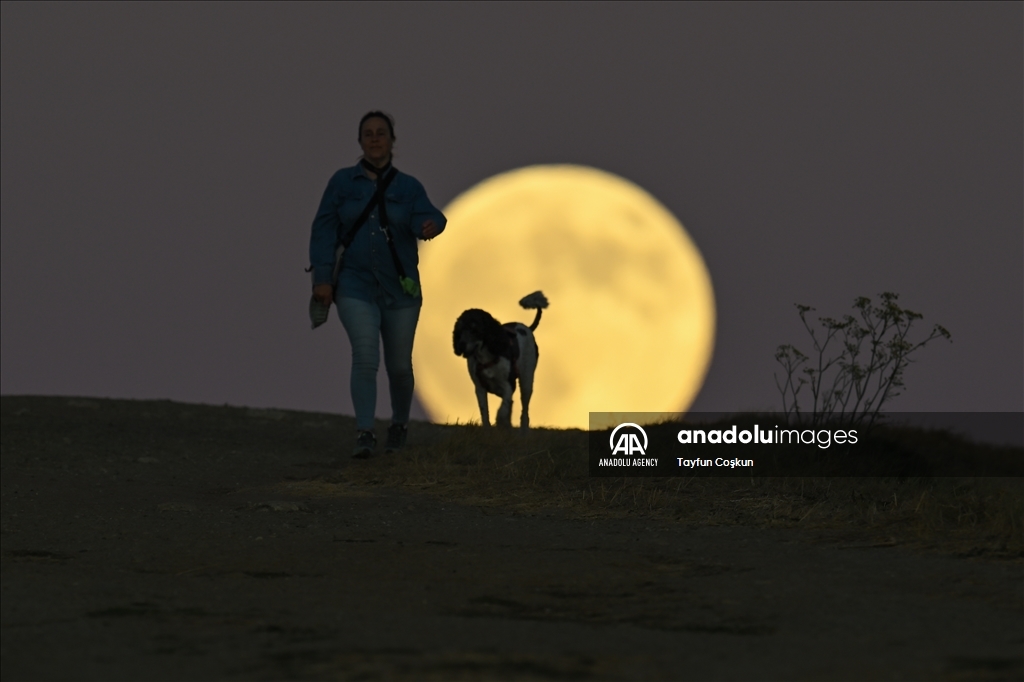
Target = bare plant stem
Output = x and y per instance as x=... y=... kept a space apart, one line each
x=847 y=381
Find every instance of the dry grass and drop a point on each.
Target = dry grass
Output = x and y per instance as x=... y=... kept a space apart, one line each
x=547 y=470
x=543 y=470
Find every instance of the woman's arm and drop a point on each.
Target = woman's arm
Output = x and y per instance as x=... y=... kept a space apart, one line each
x=324 y=235
x=430 y=229
x=426 y=221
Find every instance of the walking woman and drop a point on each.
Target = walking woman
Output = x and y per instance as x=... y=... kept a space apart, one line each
x=362 y=253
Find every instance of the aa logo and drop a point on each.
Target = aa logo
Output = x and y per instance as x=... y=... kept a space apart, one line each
x=628 y=441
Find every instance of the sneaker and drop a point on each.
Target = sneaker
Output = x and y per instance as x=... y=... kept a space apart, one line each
x=366 y=443
x=396 y=437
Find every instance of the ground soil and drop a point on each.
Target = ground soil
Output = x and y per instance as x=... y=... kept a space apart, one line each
x=145 y=540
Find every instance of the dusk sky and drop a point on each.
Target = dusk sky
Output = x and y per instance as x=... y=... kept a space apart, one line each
x=162 y=163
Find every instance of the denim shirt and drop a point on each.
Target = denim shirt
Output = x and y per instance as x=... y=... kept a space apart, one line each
x=367 y=268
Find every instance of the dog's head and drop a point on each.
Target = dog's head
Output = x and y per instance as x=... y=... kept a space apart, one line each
x=476 y=328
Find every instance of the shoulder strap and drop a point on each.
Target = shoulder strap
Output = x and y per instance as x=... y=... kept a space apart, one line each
x=409 y=285
x=377 y=198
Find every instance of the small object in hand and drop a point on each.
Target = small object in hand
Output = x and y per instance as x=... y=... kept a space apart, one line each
x=409 y=286
x=318 y=311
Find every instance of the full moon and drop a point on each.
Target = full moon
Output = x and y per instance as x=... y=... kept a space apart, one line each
x=631 y=321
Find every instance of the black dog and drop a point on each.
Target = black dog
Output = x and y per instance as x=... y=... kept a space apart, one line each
x=497 y=355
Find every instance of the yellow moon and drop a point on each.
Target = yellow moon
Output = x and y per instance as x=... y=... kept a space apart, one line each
x=631 y=322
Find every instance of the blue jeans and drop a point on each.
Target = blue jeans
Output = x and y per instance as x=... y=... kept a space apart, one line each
x=367 y=323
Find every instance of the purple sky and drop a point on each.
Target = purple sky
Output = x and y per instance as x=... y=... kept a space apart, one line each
x=161 y=165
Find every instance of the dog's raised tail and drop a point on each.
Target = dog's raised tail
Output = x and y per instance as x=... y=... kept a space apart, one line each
x=535 y=301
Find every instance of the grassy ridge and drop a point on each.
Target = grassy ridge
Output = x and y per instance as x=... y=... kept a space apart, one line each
x=545 y=469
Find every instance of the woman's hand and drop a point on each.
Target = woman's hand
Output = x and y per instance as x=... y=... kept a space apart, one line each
x=430 y=229
x=324 y=293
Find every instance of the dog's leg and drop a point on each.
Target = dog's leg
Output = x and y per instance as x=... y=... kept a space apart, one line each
x=481 y=399
x=525 y=390
x=528 y=356
x=505 y=411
